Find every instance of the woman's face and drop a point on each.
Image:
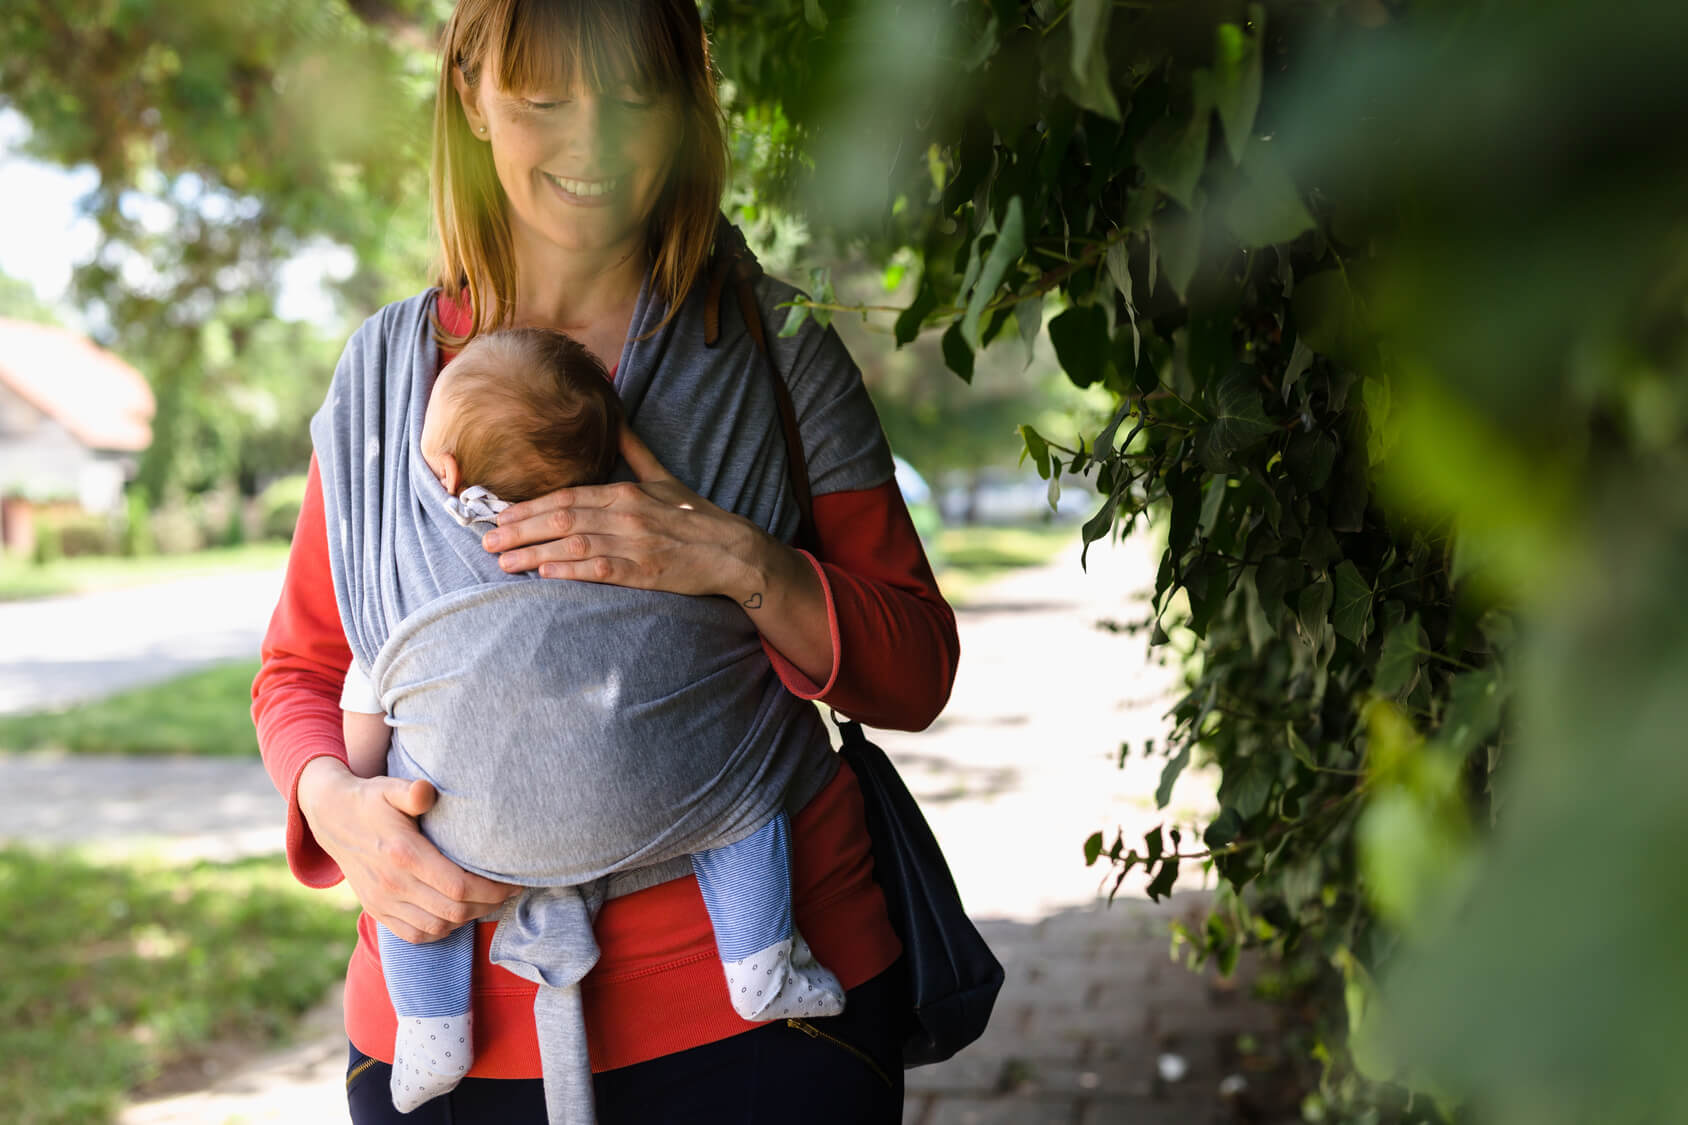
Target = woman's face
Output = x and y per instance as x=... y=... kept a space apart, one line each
x=582 y=170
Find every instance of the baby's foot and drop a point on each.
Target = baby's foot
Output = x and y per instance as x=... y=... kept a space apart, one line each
x=431 y=1054
x=783 y=981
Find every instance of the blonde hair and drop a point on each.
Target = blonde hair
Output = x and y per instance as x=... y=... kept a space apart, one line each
x=654 y=45
x=532 y=412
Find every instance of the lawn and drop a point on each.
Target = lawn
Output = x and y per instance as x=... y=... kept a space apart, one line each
x=974 y=556
x=119 y=974
x=23 y=579
x=201 y=713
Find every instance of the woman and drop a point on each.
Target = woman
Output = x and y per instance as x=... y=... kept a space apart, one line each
x=578 y=167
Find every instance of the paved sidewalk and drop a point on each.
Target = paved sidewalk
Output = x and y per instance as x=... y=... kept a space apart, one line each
x=1096 y=1023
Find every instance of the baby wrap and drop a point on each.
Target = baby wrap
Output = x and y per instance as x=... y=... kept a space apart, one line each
x=637 y=727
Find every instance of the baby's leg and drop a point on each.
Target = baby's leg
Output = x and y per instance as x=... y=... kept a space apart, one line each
x=429 y=986
x=367 y=737
x=771 y=973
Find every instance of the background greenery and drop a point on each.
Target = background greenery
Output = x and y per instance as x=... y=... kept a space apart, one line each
x=1384 y=306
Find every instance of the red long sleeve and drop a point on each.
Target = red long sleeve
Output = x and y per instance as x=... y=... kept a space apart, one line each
x=894 y=643
x=296 y=695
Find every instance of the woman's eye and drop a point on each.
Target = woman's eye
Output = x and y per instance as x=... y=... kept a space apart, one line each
x=541 y=106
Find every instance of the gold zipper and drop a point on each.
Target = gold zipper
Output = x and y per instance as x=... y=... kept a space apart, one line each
x=814 y=1032
x=352 y=1076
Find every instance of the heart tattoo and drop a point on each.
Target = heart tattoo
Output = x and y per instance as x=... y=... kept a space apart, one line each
x=754 y=601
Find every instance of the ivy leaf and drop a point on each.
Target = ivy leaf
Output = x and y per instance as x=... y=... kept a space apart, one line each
x=1309 y=459
x=1178 y=242
x=1154 y=844
x=1092 y=849
x=958 y=357
x=1239 y=420
x=1299 y=748
x=1169 y=776
x=1397 y=666
x=1474 y=710
x=1250 y=790
x=1037 y=449
x=1080 y=336
x=1268 y=210
x=794 y=319
x=1236 y=79
x=1173 y=152
x=1009 y=246
x=1028 y=317
x=813 y=12
x=1352 y=614
x=1096 y=527
x=1312 y=608
x=1161 y=886
x=1326 y=317
x=1227 y=826
x=1089 y=23
x=910 y=319
x=1299 y=361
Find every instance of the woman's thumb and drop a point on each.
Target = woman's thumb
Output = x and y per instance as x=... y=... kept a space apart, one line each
x=411 y=798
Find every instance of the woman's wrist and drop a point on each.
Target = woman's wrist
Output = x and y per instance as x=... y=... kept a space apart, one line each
x=316 y=778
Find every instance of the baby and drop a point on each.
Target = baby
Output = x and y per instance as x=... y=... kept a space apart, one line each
x=517 y=414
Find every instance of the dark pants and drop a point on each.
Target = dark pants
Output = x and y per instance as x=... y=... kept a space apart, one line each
x=777 y=1073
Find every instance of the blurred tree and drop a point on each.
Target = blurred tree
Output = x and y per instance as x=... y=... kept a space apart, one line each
x=20 y=301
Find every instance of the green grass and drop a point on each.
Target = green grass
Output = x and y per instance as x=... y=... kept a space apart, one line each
x=21 y=578
x=975 y=556
x=118 y=973
x=201 y=713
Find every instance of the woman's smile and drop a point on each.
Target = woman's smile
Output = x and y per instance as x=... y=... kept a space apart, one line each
x=586 y=193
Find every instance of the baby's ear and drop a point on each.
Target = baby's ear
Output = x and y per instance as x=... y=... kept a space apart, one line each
x=450 y=475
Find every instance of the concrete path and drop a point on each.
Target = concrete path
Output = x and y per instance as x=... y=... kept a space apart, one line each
x=1095 y=1024
x=57 y=651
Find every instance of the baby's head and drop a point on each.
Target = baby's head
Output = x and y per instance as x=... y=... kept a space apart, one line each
x=522 y=412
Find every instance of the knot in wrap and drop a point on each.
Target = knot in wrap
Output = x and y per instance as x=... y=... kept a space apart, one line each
x=475 y=505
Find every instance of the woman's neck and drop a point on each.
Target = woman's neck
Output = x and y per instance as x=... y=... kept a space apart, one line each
x=589 y=296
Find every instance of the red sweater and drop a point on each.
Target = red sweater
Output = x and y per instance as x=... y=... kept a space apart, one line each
x=658 y=986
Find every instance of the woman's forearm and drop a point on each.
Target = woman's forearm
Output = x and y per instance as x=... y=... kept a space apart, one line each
x=786 y=600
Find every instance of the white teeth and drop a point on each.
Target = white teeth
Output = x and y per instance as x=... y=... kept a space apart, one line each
x=582 y=188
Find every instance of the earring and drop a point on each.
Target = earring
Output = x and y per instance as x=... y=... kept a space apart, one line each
x=483 y=130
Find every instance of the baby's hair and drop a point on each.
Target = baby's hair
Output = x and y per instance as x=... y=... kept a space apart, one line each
x=535 y=412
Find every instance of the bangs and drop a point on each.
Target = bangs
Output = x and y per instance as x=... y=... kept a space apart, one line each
x=550 y=45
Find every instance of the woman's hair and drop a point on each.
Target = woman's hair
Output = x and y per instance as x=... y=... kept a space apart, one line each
x=534 y=412
x=654 y=45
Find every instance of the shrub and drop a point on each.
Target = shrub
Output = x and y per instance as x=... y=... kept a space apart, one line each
x=278 y=506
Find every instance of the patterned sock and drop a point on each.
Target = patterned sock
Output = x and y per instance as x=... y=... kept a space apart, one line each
x=783 y=981
x=429 y=985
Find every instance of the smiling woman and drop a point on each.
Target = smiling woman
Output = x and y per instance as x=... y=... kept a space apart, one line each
x=591 y=132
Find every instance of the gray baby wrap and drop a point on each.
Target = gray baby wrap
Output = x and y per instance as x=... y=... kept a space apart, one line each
x=584 y=739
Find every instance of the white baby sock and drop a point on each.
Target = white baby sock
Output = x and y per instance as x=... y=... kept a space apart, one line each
x=783 y=981
x=431 y=1054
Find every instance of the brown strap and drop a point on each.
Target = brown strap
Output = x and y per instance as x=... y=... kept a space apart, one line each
x=737 y=260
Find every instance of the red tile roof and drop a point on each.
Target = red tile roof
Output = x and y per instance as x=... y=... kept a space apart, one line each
x=102 y=401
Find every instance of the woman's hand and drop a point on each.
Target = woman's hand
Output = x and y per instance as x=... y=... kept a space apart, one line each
x=368 y=827
x=657 y=534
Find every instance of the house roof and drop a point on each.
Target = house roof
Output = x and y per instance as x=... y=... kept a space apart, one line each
x=102 y=401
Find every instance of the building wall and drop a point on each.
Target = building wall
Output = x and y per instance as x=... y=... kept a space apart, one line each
x=40 y=459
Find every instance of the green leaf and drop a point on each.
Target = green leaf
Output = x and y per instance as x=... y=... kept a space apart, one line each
x=1475 y=701
x=1178 y=243
x=1236 y=78
x=1096 y=527
x=1268 y=210
x=1154 y=844
x=1239 y=420
x=1397 y=665
x=1028 y=317
x=794 y=319
x=1161 y=885
x=1089 y=24
x=1212 y=505
x=1169 y=776
x=958 y=357
x=1251 y=788
x=1227 y=826
x=1037 y=449
x=910 y=319
x=1010 y=244
x=1326 y=316
x=1299 y=748
x=1260 y=631
x=1173 y=153
x=1352 y=613
x=813 y=12
x=1312 y=608
x=1080 y=336
x=1092 y=849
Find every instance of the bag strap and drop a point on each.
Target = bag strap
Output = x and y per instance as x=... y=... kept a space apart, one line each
x=734 y=262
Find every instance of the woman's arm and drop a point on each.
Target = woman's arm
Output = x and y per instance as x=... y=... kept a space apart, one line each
x=339 y=825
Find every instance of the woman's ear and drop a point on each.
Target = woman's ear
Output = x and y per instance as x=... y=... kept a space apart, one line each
x=468 y=98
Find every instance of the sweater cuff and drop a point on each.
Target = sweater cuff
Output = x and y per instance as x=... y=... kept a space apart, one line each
x=795 y=680
x=305 y=858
